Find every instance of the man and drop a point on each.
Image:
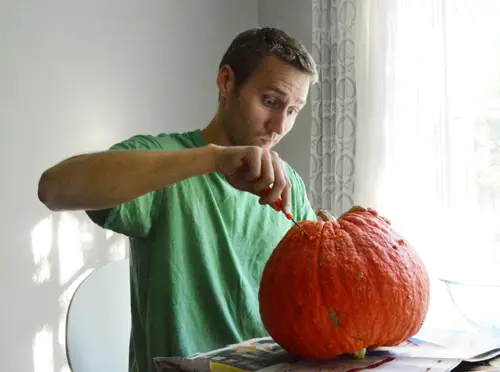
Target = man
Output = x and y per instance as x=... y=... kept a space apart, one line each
x=194 y=205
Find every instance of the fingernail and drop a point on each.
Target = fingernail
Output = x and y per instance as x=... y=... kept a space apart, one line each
x=287 y=212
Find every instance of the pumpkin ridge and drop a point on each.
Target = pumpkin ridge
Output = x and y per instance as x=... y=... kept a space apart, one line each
x=368 y=255
x=333 y=325
x=384 y=258
x=323 y=228
x=395 y=278
x=319 y=284
x=346 y=285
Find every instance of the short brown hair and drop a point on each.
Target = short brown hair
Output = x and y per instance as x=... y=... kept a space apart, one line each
x=249 y=48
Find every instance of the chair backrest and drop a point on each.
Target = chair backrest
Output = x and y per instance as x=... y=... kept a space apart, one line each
x=98 y=321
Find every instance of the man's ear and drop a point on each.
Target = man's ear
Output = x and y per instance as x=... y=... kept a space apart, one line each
x=226 y=81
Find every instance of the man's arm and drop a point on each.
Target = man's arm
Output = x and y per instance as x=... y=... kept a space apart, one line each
x=105 y=179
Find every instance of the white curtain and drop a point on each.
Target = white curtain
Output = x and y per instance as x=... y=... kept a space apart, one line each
x=404 y=153
x=427 y=152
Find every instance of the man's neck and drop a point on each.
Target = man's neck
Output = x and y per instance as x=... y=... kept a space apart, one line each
x=214 y=133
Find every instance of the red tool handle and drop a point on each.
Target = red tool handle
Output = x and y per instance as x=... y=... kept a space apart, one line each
x=277 y=203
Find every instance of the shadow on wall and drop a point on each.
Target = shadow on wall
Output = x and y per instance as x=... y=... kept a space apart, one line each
x=65 y=247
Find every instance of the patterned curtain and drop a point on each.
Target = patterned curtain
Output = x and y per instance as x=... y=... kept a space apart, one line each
x=333 y=106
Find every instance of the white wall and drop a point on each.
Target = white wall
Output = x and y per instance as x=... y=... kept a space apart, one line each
x=77 y=78
x=295 y=18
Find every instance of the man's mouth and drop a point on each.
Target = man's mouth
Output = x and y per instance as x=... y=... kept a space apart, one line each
x=267 y=142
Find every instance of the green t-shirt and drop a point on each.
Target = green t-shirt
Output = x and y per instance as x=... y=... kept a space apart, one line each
x=197 y=252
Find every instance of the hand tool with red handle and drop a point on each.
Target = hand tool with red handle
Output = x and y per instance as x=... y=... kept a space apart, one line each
x=277 y=203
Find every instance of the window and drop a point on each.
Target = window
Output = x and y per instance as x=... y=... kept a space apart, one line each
x=429 y=97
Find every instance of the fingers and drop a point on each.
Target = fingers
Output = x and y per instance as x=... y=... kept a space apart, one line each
x=263 y=173
x=354 y=209
x=253 y=163
x=279 y=181
x=280 y=188
x=286 y=195
x=358 y=208
x=266 y=176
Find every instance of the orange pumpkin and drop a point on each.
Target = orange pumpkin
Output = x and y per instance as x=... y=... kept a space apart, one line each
x=348 y=285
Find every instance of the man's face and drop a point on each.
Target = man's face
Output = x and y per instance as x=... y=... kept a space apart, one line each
x=263 y=110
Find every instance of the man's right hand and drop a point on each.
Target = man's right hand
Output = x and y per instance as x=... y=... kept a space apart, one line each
x=253 y=169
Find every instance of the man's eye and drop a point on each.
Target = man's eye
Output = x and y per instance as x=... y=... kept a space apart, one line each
x=292 y=112
x=270 y=102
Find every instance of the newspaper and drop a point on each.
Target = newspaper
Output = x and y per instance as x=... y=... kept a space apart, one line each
x=431 y=350
x=492 y=365
x=265 y=355
x=471 y=345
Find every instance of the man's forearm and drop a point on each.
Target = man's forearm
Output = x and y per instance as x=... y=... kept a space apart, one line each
x=104 y=180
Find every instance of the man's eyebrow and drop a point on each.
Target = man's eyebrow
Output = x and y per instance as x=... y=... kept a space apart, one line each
x=283 y=93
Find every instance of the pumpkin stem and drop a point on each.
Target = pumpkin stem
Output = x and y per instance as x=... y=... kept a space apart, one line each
x=325 y=215
x=360 y=354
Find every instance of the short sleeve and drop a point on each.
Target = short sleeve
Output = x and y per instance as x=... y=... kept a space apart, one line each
x=301 y=207
x=135 y=218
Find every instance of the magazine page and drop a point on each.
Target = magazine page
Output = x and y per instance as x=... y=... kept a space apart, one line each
x=370 y=363
x=251 y=355
x=264 y=355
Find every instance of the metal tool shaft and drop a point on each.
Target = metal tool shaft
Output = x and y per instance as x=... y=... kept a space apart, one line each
x=295 y=222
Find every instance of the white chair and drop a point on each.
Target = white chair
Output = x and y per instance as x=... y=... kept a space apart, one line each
x=98 y=321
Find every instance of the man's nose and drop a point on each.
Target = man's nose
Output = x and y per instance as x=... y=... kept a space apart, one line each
x=279 y=122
